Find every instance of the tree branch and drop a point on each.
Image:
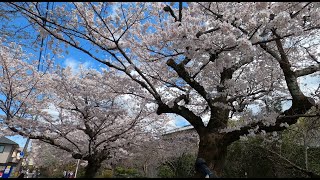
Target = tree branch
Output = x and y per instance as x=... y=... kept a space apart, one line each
x=290 y=77
x=168 y=9
x=180 y=11
x=293 y=15
x=306 y=71
x=206 y=32
x=305 y=171
x=186 y=77
x=312 y=56
x=41 y=138
x=289 y=116
x=193 y=119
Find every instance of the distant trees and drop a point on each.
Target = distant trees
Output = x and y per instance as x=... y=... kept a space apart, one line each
x=177 y=167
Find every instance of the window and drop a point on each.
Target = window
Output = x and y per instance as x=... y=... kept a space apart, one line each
x=1 y=149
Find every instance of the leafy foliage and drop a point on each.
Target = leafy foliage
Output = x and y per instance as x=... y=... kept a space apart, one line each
x=122 y=172
x=106 y=173
x=253 y=160
x=178 y=167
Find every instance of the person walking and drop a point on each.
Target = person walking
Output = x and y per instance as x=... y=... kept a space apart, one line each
x=65 y=174
x=33 y=174
x=71 y=174
x=68 y=173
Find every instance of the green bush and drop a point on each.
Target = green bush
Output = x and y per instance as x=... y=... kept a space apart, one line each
x=165 y=171
x=122 y=172
x=107 y=173
x=180 y=167
x=245 y=159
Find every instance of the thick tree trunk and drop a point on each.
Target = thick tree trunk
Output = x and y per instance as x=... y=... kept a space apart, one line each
x=213 y=151
x=92 y=168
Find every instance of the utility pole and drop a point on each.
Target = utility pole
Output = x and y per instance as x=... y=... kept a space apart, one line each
x=18 y=167
x=75 y=174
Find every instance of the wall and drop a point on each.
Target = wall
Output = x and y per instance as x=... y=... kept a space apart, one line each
x=6 y=153
x=185 y=141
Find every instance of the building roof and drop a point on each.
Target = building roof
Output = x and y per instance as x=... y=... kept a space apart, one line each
x=4 y=140
x=184 y=128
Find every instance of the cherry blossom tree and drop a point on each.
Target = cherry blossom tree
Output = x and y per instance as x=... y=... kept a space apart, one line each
x=149 y=156
x=93 y=124
x=203 y=61
x=20 y=89
x=71 y=111
x=48 y=156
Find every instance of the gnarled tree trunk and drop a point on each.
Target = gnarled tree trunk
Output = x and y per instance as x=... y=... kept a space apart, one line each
x=92 y=168
x=214 y=152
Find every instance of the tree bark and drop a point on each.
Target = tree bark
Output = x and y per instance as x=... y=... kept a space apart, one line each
x=213 y=151
x=92 y=168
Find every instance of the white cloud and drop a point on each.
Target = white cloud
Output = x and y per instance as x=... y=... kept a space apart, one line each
x=114 y=7
x=52 y=111
x=74 y=64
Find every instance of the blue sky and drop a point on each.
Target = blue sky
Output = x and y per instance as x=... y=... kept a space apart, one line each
x=18 y=139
